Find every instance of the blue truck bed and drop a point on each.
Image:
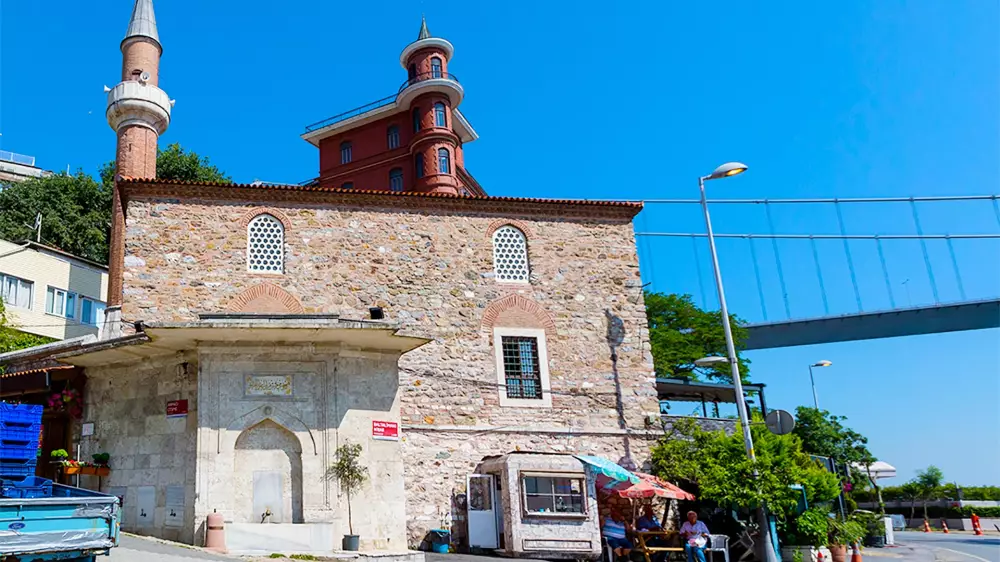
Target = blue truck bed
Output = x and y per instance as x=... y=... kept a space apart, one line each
x=74 y=524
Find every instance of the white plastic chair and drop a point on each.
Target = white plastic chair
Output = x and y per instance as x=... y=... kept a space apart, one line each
x=718 y=543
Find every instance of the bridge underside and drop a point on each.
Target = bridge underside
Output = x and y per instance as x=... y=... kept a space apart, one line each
x=976 y=315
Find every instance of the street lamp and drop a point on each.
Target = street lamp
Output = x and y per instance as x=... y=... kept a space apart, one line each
x=823 y=363
x=724 y=171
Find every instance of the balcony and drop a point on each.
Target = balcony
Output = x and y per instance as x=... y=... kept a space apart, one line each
x=426 y=82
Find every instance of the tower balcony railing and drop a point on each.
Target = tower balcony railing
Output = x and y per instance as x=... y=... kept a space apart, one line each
x=432 y=75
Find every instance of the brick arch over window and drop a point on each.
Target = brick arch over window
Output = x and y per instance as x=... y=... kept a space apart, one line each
x=266 y=298
x=515 y=311
x=520 y=225
x=257 y=211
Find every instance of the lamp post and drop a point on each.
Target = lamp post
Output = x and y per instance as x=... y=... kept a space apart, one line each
x=823 y=363
x=724 y=171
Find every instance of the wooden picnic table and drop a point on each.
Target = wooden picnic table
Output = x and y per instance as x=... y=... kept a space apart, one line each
x=665 y=535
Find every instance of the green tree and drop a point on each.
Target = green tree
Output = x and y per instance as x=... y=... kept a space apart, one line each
x=680 y=333
x=350 y=473
x=174 y=163
x=929 y=481
x=12 y=339
x=76 y=210
x=716 y=466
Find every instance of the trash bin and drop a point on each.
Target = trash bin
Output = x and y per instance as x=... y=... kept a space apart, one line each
x=439 y=539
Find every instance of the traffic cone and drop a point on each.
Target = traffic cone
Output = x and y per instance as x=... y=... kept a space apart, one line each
x=819 y=556
x=944 y=525
x=976 y=526
x=856 y=555
x=927 y=526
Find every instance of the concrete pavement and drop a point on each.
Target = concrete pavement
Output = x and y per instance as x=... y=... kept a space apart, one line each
x=954 y=547
x=140 y=549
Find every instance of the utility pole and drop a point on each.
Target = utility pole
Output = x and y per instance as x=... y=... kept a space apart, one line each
x=38 y=228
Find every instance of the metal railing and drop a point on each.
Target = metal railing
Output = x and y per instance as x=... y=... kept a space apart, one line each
x=424 y=76
x=16 y=158
x=433 y=75
x=351 y=113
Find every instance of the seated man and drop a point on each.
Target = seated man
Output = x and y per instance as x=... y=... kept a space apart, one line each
x=648 y=522
x=613 y=531
x=695 y=535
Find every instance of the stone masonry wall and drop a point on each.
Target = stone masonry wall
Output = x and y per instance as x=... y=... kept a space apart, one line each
x=433 y=274
x=149 y=452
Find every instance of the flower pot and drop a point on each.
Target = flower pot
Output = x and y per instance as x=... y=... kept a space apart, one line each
x=103 y=471
x=91 y=470
x=71 y=470
x=838 y=552
x=350 y=542
x=875 y=541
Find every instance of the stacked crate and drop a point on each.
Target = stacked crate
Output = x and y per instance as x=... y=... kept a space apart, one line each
x=20 y=429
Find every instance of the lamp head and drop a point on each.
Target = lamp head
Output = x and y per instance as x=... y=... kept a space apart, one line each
x=726 y=170
x=711 y=361
x=823 y=363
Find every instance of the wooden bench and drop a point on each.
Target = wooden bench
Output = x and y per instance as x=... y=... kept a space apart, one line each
x=666 y=535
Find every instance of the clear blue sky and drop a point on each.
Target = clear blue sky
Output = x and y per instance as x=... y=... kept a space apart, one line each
x=632 y=101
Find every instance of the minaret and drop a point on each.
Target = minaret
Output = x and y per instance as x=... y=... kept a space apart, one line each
x=139 y=112
x=431 y=95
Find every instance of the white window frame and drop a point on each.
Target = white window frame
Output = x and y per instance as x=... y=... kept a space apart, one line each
x=64 y=299
x=281 y=247
x=527 y=257
x=543 y=367
x=580 y=476
x=4 y=279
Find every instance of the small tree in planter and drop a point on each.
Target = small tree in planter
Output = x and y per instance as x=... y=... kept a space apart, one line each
x=807 y=535
x=351 y=475
x=843 y=534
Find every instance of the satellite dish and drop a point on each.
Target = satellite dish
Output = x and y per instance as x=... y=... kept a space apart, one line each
x=144 y=77
x=106 y=89
x=779 y=422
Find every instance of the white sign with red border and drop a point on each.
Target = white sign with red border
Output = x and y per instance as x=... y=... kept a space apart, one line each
x=385 y=430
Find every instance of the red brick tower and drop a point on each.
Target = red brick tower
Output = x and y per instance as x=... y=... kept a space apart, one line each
x=139 y=112
x=409 y=141
x=430 y=94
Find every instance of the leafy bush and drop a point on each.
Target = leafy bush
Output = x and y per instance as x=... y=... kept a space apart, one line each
x=872 y=523
x=811 y=528
x=845 y=532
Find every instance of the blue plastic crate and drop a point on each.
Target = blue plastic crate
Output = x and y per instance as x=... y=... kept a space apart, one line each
x=17 y=469
x=20 y=414
x=30 y=487
x=25 y=437
x=17 y=452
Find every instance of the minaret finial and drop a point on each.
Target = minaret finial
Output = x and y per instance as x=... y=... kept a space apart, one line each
x=424 y=33
x=143 y=22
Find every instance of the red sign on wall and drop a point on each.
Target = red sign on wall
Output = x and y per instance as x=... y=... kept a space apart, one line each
x=177 y=408
x=385 y=431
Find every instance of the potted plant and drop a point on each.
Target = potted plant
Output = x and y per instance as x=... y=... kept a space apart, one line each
x=874 y=527
x=843 y=534
x=101 y=466
x=351 y=475
x=70 y=466
x=807 y=536
x=59 y=455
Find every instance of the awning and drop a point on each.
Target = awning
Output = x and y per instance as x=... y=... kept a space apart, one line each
x=609 y=469
x=879 y=469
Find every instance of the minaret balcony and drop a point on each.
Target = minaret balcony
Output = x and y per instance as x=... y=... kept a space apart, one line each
x=135 y=103
x=430 y=82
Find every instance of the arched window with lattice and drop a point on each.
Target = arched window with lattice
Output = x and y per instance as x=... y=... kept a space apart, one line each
x=265 y=245
x=510 y=255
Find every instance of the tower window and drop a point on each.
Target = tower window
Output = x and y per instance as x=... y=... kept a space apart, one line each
x=436 y=67
x=265 y=245
x=396 y=179
x=411 y=71
x=345 y=152
x=444 y=161
x=440 y=117
x=347 y=185
x=392 y=137
x=416 y=119
x=510 y=255
x=419 y=164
